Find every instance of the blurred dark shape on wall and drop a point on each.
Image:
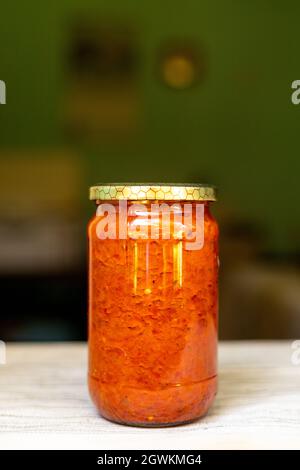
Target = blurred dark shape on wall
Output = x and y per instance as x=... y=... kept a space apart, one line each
x=102 y=99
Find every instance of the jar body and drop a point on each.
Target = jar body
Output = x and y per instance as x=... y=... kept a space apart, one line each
x=153 y=307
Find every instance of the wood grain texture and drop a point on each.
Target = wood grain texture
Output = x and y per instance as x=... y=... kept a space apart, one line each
x=44 y=402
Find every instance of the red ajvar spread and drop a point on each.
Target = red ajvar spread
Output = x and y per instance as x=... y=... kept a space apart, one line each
x=153 y=326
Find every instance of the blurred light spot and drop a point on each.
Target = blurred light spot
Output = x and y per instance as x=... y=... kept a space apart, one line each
x=182 y=66
x=179 y=72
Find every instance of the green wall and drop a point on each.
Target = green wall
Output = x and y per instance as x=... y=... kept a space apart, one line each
x=238 y=129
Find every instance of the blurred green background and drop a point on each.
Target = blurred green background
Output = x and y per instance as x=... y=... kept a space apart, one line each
x=149 y=91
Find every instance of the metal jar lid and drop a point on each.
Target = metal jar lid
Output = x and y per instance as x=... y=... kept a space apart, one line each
x=152 y=191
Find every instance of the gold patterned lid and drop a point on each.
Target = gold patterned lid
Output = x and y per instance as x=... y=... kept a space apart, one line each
x=153 y=191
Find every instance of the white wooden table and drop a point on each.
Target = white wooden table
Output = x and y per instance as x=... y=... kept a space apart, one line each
x=44 y=403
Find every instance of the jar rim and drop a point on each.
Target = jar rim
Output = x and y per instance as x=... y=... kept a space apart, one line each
x=153 y=191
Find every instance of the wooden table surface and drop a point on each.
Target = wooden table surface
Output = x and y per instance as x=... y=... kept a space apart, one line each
x=44 y=403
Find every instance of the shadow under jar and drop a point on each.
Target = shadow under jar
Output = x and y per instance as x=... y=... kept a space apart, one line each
x=153 y=303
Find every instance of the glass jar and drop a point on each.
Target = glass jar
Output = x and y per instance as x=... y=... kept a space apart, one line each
x=153 y=303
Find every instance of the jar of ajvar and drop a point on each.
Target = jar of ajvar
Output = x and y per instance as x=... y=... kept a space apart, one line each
x=153 y=302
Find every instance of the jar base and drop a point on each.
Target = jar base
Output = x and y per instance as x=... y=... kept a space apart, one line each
x=172 y=406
